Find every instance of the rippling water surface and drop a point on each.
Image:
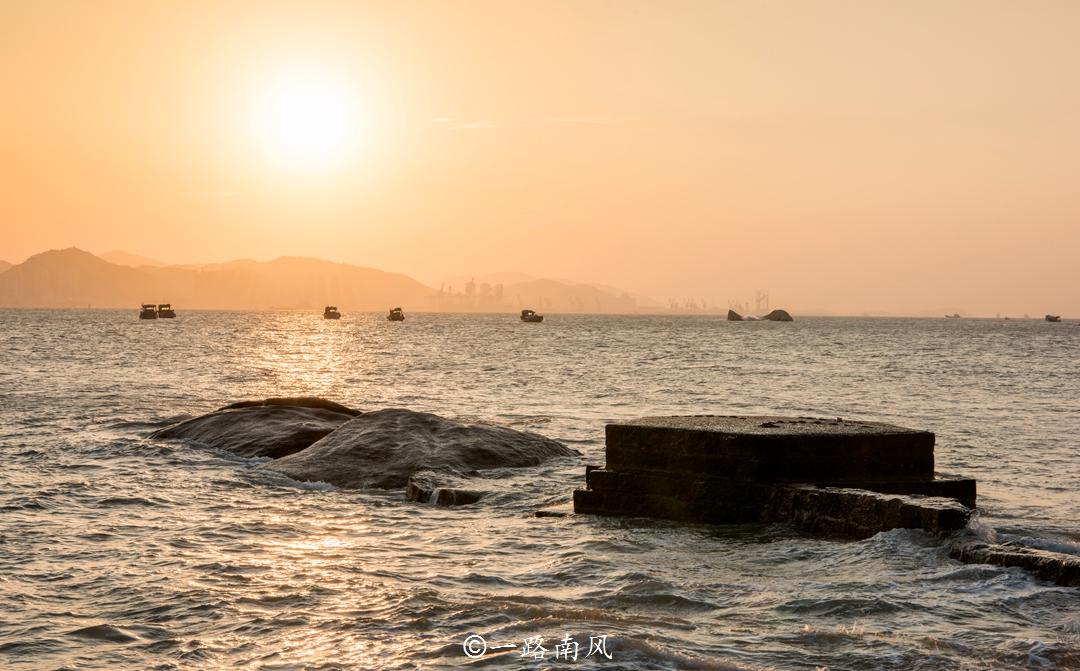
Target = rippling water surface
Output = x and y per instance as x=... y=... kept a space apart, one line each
x=120 y=553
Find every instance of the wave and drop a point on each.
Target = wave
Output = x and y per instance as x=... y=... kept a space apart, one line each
x=104 y=632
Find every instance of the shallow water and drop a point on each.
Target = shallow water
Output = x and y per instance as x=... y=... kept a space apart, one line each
x=121 y=553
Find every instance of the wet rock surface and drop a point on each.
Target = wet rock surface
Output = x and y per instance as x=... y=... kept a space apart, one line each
x=382 y=449
x=942 y=486
x=296 y=402
x=261 y=428
x=829 y=511
x=441 y=489
x=1056 y=567
x=315 y=440
x=859 y=513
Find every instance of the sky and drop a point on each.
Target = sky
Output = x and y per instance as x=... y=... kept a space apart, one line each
x=849 y=157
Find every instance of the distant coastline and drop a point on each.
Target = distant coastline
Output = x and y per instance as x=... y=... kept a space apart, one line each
x=75 y=279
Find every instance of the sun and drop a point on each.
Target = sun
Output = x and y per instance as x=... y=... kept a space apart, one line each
x=308 y=119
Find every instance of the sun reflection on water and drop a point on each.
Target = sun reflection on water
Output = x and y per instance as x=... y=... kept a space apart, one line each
x=302 y=354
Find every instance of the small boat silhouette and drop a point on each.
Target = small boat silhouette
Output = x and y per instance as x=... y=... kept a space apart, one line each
x=165 y=311
x=531 y=316
x=396 y=315
x=331 y=312
x=1053 y=318
x=149 y=311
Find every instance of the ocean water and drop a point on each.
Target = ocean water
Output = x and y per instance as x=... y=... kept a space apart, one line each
x=121 y=553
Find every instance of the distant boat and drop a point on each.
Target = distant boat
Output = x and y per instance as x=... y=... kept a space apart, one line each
x=1053 y=318
x=396 y=315
x=149 y=311
x=165 y=311
x=531 y=316
x=955 y=315
x=331 y=312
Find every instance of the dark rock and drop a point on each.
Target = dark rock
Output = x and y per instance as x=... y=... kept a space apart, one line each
x=778 y=316
x=1056 y=567
x=440 y=489
x=262 y=428
x=733 y=316
x=552 y=513
x=382 y=449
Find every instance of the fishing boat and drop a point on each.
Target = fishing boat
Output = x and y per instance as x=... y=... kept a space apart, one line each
x=531 y=316
x=396 y=315
x=955 y=315
x=149 y=311
x=1053 y=318
x=331 y=312
x=165 y=311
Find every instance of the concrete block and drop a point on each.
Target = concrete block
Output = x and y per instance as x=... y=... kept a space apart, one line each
x=771 y=449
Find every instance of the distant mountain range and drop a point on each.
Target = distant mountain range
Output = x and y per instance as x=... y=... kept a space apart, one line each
x=76 y=278
x=122 y=258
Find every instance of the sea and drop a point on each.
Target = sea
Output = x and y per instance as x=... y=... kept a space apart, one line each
x=123 y=553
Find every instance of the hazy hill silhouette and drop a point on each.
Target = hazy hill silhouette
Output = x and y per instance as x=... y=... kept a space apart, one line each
x=561 y=296
x=504 y=278
x=122 y=258
x=4 y=265
x=291 y=282
x=75 y=278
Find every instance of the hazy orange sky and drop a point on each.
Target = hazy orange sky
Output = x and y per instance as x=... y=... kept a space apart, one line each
x=891 y=157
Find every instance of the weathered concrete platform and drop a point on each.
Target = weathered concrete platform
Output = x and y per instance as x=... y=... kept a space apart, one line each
x=771 y=449
x=832 y=476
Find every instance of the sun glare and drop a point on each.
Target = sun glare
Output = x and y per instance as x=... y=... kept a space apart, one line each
x=308 y=120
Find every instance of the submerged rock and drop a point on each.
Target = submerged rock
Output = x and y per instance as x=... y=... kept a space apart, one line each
x=1063 y=569
x=441 y=490
x=271 y=428
x=382 y=449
